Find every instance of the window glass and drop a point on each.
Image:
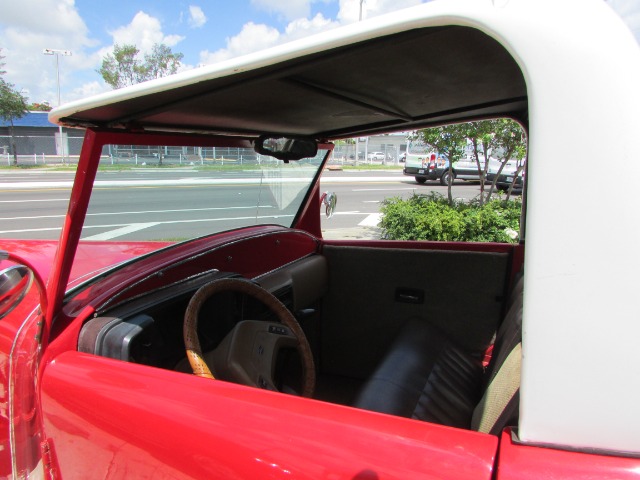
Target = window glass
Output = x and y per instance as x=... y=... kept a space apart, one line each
x=404 y=194
x=172 y=194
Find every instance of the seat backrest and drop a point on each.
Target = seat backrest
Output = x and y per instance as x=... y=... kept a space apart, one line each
x=499 y=404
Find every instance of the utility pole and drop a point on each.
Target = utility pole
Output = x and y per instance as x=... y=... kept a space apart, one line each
x=57 y=53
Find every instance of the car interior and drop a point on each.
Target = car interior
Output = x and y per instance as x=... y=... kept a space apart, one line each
x=412 y=341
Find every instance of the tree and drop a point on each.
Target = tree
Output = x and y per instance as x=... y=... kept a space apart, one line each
x=124 y=67
x=40 y=107
x=450 y=141
x=502 y=139
x=508 y=141
x=480 y=135
x=12 y=105
x=161 y=62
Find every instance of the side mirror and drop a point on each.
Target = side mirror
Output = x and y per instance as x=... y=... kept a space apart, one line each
x=329 y=199
x=15 y=282
x=286 y=148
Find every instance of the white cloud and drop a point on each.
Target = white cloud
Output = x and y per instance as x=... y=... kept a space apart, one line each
x=88 y=89
x=51 y=17
x=251 y=38
x=254 y=37
x=144 y=31
x=289 y=9
x=28 y=27
x=197 y=18
x=303 y=27
x=350 y=9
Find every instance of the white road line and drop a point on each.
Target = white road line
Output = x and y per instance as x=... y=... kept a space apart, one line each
x=192 y=181
x=157 y=183
x=25 y=230
x=178 y=210
x=40 y=217
x=134 y=227
x=119 y=226
x=40 y=200
x=145 y=212
x=371 y=221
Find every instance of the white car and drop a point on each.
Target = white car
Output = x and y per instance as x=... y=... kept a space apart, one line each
x=376 y=156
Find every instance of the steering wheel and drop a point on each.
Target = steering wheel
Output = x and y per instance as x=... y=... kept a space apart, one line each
x=248 y=353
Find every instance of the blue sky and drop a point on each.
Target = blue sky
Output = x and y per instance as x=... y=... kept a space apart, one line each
x=205 y=31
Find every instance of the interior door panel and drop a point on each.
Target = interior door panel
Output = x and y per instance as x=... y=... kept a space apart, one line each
x=374 y=291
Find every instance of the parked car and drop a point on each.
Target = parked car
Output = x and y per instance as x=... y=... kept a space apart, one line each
x=425 y=165
x=225 y=337
x=432 y=166
x=509 y=175
x=377 y=156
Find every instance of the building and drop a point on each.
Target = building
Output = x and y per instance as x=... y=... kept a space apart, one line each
x=34 y=135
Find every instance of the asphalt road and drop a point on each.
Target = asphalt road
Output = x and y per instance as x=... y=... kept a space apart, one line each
x=176 y=204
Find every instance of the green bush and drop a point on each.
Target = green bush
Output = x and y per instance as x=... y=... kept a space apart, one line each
x=430 y=217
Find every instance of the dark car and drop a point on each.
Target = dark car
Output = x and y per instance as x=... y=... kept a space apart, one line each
x=436 y=167
x=510 y=175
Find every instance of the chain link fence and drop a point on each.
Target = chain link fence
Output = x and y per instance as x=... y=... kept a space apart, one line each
x=369 y=153
x=46 y=150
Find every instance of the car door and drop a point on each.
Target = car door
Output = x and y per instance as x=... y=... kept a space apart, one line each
x=110 y=419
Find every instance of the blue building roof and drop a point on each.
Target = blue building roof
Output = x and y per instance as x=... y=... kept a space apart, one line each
x=31 y=119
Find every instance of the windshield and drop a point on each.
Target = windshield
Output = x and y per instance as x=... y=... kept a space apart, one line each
x=172 y=194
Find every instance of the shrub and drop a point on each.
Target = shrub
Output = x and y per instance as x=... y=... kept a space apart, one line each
x=430 y=217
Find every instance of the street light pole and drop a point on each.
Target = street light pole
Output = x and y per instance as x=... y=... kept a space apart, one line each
x=57 y=53
x=360 y=19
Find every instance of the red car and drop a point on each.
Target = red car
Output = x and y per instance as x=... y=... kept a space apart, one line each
x=202 y=327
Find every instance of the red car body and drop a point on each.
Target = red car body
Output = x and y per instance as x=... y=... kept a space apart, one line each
x=66 y=412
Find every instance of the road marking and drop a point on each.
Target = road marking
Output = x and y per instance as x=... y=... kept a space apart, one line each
x=193 y=181
x=371 y=221
x=208 y=209
x=145 y=212
x=31 y=230
x=134 y=227
x=162 y=183
x=40 y=217
x=41 y=200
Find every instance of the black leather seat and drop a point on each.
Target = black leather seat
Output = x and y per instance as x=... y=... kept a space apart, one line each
x=428 y=377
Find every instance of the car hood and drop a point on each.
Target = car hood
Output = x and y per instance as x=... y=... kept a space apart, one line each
x=91 y=257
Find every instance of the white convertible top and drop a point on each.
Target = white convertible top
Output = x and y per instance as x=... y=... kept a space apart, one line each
x=568 y=70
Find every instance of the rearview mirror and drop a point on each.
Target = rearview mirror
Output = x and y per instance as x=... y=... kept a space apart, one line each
x=286 y=148
x=14 y=285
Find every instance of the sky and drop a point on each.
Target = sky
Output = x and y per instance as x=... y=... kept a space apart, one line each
x=205 y=31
